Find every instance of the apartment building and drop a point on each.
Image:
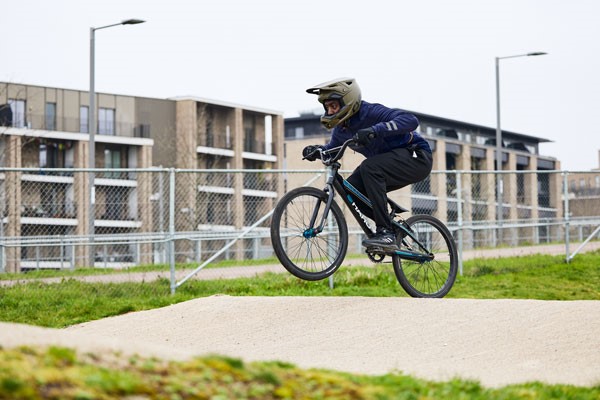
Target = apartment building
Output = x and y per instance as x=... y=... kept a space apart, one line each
x=44 y=128
x=243 y=143
x=461 y=146
x=584 y=192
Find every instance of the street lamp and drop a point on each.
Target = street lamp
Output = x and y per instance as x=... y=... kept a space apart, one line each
x=92 y=127
x=499 y=188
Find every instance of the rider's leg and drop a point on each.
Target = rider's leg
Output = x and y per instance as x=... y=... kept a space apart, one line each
x=385 y=172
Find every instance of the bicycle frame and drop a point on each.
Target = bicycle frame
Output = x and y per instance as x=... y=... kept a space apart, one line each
x=336 y=183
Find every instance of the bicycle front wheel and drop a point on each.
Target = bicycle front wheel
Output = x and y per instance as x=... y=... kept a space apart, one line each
x=304 y=252
x=432 y=278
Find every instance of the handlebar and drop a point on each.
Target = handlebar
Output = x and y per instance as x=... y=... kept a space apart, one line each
x=338 y=151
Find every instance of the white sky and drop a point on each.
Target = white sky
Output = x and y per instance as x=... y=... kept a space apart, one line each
x=430 y=56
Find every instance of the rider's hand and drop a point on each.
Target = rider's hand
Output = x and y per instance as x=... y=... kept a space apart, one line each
x=364 y=136
x=311 y=153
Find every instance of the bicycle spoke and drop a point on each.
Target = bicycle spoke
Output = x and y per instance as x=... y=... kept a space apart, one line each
x=302 y=249
x=428 y=278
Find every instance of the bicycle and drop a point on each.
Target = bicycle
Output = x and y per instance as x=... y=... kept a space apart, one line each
x=309 y=234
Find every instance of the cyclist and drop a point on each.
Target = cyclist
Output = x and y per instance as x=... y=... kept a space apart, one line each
x=395 y=155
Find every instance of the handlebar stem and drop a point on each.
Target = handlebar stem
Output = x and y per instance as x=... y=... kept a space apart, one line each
x=339 y=150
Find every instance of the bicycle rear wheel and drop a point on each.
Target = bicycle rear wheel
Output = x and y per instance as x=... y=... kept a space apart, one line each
x=429 y=278
x=305 y=253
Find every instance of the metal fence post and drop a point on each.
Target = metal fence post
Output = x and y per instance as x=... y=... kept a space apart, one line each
x=62 y=254
x=2 y=269
x=138 y=253
x=162 y=246
x=72 y=260
x=567 y=212
x=459 y=217
x=172 y=227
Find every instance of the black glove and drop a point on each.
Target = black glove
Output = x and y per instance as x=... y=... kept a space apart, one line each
x=310 y=153
x=364 y=136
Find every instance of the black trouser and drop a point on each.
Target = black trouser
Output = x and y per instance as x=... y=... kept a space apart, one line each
x=386 y=172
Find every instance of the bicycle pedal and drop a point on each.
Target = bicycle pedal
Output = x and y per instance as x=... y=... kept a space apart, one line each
x=375 y=249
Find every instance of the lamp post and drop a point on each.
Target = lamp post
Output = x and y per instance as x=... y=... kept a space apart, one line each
x=92 y=128
x=499 y=188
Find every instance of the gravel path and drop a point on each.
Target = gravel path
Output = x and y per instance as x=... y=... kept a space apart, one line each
x=496 y=342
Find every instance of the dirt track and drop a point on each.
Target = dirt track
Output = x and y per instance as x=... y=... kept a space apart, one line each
x=497 y=342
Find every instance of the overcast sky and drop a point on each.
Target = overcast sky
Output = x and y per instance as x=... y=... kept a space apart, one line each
x=430 y=56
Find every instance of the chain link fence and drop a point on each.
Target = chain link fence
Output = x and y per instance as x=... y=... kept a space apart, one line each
x=170 y=224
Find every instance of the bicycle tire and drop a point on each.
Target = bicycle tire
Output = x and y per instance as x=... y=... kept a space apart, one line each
x=304 y=255
x=431 y=278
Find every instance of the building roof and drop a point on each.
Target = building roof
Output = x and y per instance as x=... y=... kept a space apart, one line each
x=489 y=131
x=226 y=104
x=483 y=128
x=175 y=98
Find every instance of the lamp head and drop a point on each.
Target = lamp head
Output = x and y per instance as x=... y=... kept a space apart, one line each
x=132 y=21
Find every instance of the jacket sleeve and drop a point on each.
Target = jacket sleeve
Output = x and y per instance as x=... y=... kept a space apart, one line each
x=336 y=139
x=394 y=121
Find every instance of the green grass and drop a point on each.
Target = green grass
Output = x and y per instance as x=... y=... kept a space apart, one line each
x=539 y=277
x=87 y=271
x=60 y=373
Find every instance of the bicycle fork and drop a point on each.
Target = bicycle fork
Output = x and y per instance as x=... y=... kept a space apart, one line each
x=313 y=231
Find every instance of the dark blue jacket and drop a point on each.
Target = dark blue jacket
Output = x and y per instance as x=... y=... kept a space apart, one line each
x=394 y=127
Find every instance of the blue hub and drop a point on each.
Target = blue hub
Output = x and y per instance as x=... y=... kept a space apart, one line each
x=310 y=233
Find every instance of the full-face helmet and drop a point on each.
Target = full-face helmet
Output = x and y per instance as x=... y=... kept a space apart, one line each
x=344 y=90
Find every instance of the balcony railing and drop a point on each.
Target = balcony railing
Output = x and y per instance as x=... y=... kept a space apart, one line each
x=257 y=146
x=45 y=210
x=219 y=141
x=76 y=125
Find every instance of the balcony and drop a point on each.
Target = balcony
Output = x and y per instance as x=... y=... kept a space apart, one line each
x=219 y=141
x=77 y=125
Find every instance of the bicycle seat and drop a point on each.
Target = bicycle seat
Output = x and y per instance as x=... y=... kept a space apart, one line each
x=396 y=208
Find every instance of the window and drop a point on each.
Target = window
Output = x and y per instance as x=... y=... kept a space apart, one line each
x=450 y=177
x=49 y=155
x=18 y=111
x=249 y=133
x=480 y=140
x=112 y=159
x=106 y=121
x=597 y=181
x=543 y=190
x=84 y=119
x=521 y=188
x=70 y=156
x=43 y=156
x=50 y=116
